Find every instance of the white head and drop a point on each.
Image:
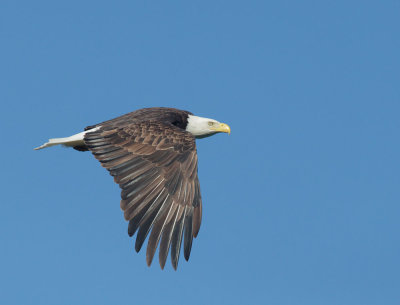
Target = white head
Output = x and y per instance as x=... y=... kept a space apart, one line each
x=204 y=127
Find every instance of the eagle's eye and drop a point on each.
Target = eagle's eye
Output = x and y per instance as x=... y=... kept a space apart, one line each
x=210 y=123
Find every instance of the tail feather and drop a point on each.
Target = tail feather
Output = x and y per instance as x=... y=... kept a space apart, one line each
x=75 y=140
x=52 y=142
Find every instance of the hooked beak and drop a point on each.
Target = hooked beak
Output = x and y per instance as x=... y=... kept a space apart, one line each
x=221 y=128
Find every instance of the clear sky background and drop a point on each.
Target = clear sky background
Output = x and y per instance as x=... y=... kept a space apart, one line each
x=300 y=203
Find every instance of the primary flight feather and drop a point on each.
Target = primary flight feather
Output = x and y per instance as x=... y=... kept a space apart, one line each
x=151 y=153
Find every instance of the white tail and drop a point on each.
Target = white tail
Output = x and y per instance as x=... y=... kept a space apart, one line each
x=74 y=140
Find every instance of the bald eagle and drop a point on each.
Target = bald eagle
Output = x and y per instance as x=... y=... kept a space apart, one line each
x=151 y=153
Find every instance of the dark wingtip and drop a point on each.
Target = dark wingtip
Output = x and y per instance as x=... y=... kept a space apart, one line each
x=187 y=255
x=162 y=265
x=140 y=238
x=138 y=246
x=131 y=231
x=134 y=224
x=175 y=261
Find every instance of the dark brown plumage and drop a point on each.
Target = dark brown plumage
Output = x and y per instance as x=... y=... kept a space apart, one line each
x=151 y=153
x=154 y=161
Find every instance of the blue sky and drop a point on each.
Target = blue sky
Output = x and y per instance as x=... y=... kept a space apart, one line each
x=300 y=203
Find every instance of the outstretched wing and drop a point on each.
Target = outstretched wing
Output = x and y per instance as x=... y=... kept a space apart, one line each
x=155 y=165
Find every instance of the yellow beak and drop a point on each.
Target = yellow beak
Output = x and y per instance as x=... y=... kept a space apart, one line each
x=222 y=128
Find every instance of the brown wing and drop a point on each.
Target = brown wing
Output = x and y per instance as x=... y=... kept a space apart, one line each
x=145 y=114
x=155 y=165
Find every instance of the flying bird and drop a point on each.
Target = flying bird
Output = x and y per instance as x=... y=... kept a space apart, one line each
x=151 y=153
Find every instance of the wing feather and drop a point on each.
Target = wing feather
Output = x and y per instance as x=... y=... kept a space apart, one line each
x=139 y=205
x=167 y=237
x=187 y=246
x=151 y=215
x=156 y=233
x=177 y=239
x=155 y=165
